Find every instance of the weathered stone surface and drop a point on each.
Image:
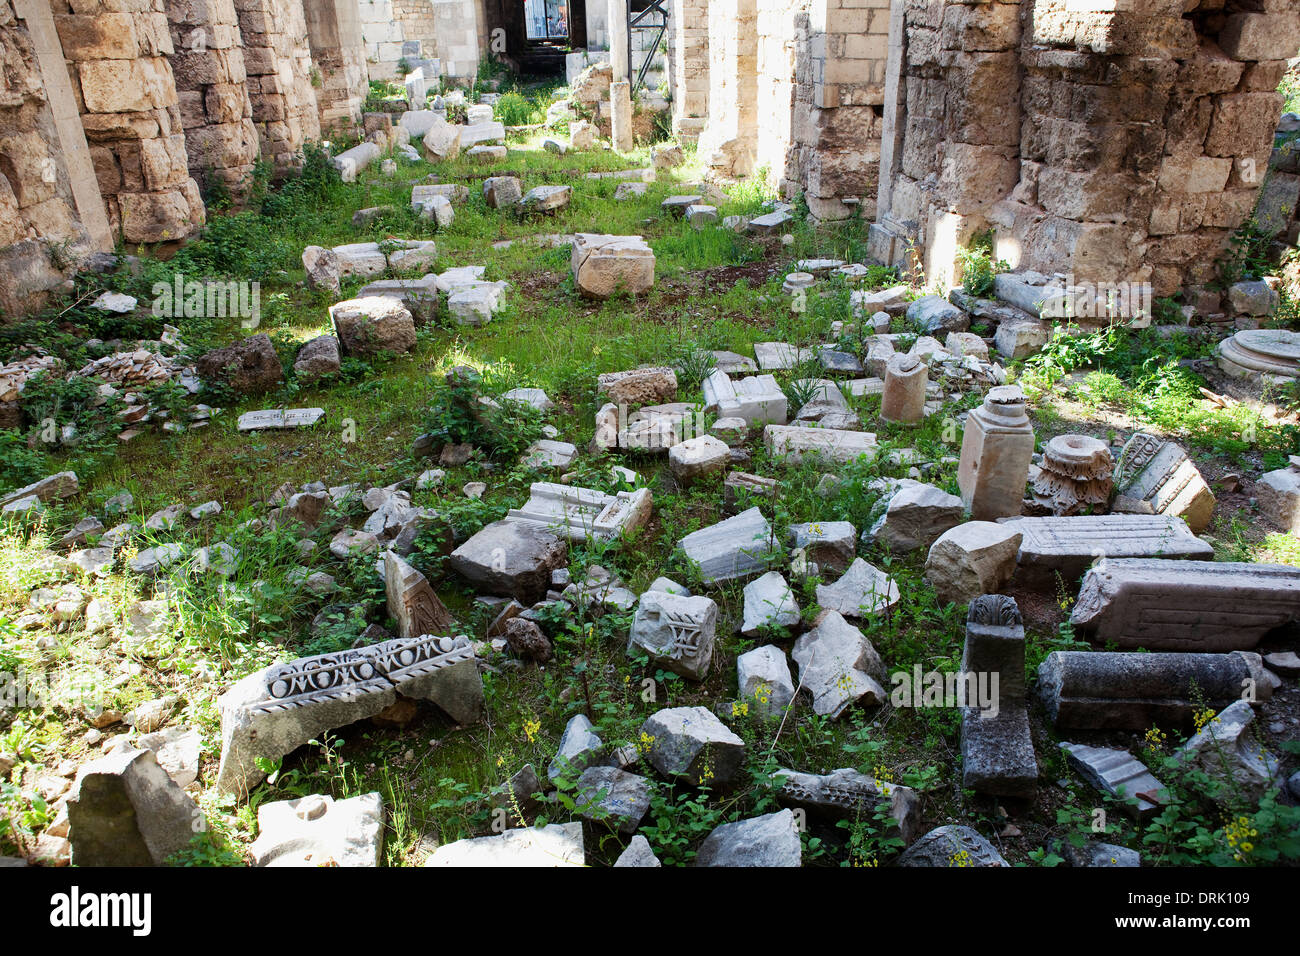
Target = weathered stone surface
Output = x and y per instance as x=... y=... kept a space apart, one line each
x=1252 y=298
x=998 y=753
x=126 y=811
x=502 y=192
x=845 y=794
x=272 y=712
x=698 y=457
x=62 y=485
x=177 y=750
x=956 y=846
x=934 y=313
x=778 y=356
x=769 y=603
x=833 y=444
x=1229 y=752
x=1186 y=605
x=603 y=265
x=639 y=386
x=558 y=844
x=412 y=601
x=734 y=548
x=1117 y=690
x=838 y=666
x=916 y=516
x=1017 y=340
x=862 y=591
x=1278 y=495
x=691 y=744
x=323 y=268
x=546 y=453
x=1118 y=774
x=249 y=367
x=638 y=853
x=903 y=399
x=996 y=449
x=318 y=830
x=511 y=558
x=1099 y=854
x=617 y=796
x=580 y=747
x=757 y=399
x=676 y=632
x=740 y=489
x=1067 y=546
x=974 y=558
x=579 y=514
x=1074 y=475
x=769 y=841
x=373 y=324
x=1159 y=478
x=546 y=198
x=317 y=358
x=276 y=418
x=831 y=545
x=1254 y=353
x=764 y=681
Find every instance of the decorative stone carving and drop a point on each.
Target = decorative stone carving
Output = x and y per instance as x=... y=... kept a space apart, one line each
x=1075 y=475
x=279 y=418
x=996 y=744
x=579 y=514
x=1067 y=546
x=1117 y=773
x=1257 y=352
x=1155 y=476
x=412 y=601
x=996 y=449
x=757 y=399
x=955 y=846
x=677 y=632
x=846 y=794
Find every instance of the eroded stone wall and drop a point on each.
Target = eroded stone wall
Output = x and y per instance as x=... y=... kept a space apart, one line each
x=281 y=78
x=688 y=68
x=338 y=54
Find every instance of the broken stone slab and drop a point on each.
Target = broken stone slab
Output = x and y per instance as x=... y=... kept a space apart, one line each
x=733 y=363
x=158 y=558
x=608 y=793
x=769 y=224
x=1155 y=476
x=764 y=681
x=691 y=744
x=1118 y=774
x=352 y=161
x=676 y=632
x=1206 y=606
x=580 y=514
x=698 y=457
x=62 y=485
x=272 y=712
x=317 y=358
x=502 y=192
x=557 y=844
x=677 y=205
x=546 y=198
x=412 y=602
x=318 y=830
x=1118 y=690
x=769 y=603
x=778 y=356
x=757 y=399
x=580 y=747
x=1017 y=340
x=845 y=794
x=700 y=215
x=638 y=853
x=532 y=397
x=177 y=750
x=838 y=666
x=955 y=846
x=736 y=547
x=604 y=264
x=126 y=811
x=473 y=134
x=372 y=324
x=740 y=490
x=771 y=840
x=277 y=418
x=916 y=516
x=511 y=558
x=418 y=296
x=1099 y=855
x=732 y=431
x=1230 y=754
x=487 y=154
x=978 y=557
x=794 y=442
x=474 y=303
x=934 y=313
x=1068 y=546
x=862 y=591
x=545 y=453
x=828 y=544
x=630 y=191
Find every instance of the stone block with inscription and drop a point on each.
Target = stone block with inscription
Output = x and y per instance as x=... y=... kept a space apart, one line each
x=676 y=632
x=274 y=418
x=1155 y=476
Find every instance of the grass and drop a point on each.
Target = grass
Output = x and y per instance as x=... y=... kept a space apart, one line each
x=715 y=290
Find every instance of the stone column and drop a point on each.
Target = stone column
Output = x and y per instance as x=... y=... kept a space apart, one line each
x=125 y=91
x=334 y=33
x=207 y=61
x=996 y=450
x=281 y=78
x=620 y=89
x=904 y=396
x=690 y=67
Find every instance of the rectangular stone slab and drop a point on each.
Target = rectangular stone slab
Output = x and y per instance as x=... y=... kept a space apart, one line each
x=776 y=356
x=582 y=513
x=731 y=549
x=833 y=444
x=1069 y=545
x=1112 y=771
x=1116 y=690
x=997 y=753
x=757 y=399
x=261 y=420
x=1205 y=606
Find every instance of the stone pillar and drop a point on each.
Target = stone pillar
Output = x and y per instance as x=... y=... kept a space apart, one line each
x=904 y=395
x=334 y=33
x=281 y=78
x=620 y=89
x=207 y=61
x=125 y=91
x=689 y=24
x=728 y=144
x=996 y=450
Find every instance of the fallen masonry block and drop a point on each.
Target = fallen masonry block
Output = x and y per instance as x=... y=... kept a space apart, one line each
x=638 y=386
x=419 y=296
x=831 y=545
x=1118 y=690
x=412 y=601
x=997 y=753
x=546 y=198
x=1155 y=476
x=833 y=444
x=1068 y=546
x=475 y=133
x=778 y=356
x=1117 y=773
x=270 y=713
x=318 y=830
x=757 y=399
x=737 y=547
x=838 y=666
x=692 y=744
x=846 y=794
x=558 y=844
x=955 y=846
x=1228 y=753
x=454 y=193
x=863 y=590
x=769 y=603
x=547 y=453
x=917 y=515
x=771 y=840
x=1186 y=605
x=366 y=326
x=605 y=264
x=769 y=224
x=62 y=485
x=676 y=632
x=351 y=161
x=997 y=747
x=740 y=490
x=511 y=558
x=764 y=681
x=613 y=795
x=263 y=419
x=580 y=514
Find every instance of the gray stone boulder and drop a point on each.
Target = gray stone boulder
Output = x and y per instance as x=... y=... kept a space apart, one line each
x=838 y=666
x=126 y=811
x=249 y=367
x=916 y=516
x=317 y=358
x=638 y=853
x=676 y=632
x=769 y=840
x=501 y=192
x=1252 y=298
x=580 y=747
x=831 y=545
x=974 y=558
x=558 y=844
x=862 y=591
x=511 y=559
x=769 y=603
x=934 y=313
x=613 y=795
x=764 y=681
x=1226 y=749
x=691 y=744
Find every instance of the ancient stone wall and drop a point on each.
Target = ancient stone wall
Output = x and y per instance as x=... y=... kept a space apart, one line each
x=282 y=80
x=728 y=143
x=338 y=53
x=124 y=89
x=688 y=71
x=383 y=34
x=458 y=37
x=207 y=61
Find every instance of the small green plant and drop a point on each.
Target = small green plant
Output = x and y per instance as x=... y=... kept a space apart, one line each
x=978 y=266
